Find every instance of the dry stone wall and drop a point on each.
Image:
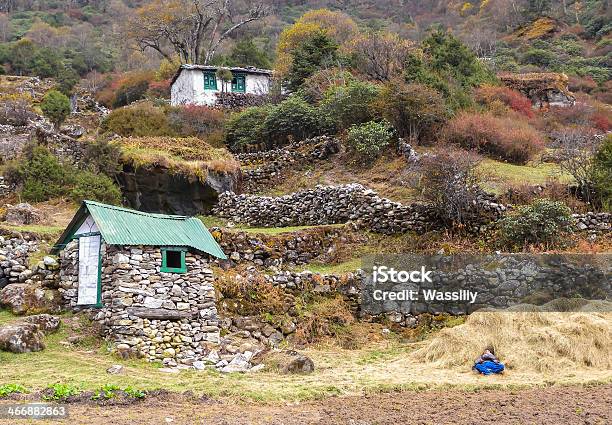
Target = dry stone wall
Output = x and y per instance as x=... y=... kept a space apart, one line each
x=261 y=168
x=292 y=249
x=159 y=316
x=14 y=260
x=334 y=204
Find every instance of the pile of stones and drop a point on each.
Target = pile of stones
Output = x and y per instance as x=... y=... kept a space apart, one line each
x=5 y=188
x=14 y=258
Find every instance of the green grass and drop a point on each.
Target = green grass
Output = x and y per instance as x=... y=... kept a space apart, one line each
x=50 y=233
x=7 y=317
x=213 y=221
x=501 y=175
x=344 y=267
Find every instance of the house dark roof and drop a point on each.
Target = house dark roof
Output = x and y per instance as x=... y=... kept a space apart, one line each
x=123 y=226
x=246 y=70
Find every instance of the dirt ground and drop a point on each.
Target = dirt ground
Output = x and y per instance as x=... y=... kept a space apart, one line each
x=549 y=405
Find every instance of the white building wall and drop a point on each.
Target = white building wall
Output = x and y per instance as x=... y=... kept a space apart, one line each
x=189 y=88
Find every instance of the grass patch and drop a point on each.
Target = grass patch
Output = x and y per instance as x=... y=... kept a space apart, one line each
x=343 y=267
x=501 y=175
x=7 y=317
x=47 y=232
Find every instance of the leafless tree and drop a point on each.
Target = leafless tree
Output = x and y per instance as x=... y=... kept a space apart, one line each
x=192 y=29
x=381 y=56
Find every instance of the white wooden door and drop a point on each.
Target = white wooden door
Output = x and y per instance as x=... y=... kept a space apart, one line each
x=89 y=264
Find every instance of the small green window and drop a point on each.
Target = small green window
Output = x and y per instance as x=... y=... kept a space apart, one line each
x=210 y=81
x=173 y=260
x=239 y=83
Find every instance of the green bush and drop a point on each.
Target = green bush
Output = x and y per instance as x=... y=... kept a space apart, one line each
x=43 y=177
x=8 y=389
x=246 y=127
x=97 y=187
x=294 y=119
x=369 y=139
x=56 y=107
x=138 y=121
x=602 y=174
x=544 y=223
x=60 y=391
x=349 y=104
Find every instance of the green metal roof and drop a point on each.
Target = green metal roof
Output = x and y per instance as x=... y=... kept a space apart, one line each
x=123 y=226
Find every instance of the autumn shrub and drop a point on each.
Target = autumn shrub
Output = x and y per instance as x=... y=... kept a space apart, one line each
x=370 y=139
x=195 y=120
x=158 y=90
x=544 y=223
x=126 y=88
x=415 y=110
x=502 y=138
x=513 y=99
x=314 y=87
x=138 y=121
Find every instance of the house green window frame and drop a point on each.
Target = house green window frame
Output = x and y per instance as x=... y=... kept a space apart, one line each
x=173 y=260
x=239 y=83
x=210 y=81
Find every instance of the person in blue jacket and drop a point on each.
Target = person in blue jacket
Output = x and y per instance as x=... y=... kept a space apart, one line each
x=487 y=363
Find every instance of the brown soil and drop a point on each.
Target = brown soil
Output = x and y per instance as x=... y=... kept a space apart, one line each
x=551 y=405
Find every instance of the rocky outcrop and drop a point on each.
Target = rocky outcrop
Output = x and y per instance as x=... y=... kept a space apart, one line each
x=544 y=89
x=158 y=189
x=28 y=298
x=46 y=323
x=23 y=213
x=21 y=337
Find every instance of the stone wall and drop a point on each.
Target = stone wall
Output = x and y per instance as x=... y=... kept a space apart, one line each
x=593 y=222
x=292 y=249
x=231 y=100
x=5 y=188
x=159 y=316
x=335 y=204
x=14 y=259
x=262 y=168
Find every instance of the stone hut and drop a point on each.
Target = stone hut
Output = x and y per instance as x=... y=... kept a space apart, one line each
x=145 y=278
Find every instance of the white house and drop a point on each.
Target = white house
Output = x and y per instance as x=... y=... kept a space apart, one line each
x=199 y=84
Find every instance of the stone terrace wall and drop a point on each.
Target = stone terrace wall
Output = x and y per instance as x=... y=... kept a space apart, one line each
x=261 y=168
x=160 y=316
x=294 y=248
x=231 y=100
x=331 y=205
x=353 y=202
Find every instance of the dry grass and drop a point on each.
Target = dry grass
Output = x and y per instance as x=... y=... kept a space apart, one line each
x=181 y=155
x=530 y=338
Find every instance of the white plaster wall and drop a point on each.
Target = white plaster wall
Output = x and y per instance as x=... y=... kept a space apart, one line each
x=189 y=88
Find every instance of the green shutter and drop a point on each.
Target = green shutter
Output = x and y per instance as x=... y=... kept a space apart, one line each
x=239 y=83
x=210 y=81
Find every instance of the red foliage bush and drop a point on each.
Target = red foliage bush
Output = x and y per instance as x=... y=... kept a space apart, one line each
x=122 y=89
x=601 y=121
x=194 y=120
x=511 y=98
x=503 y=138
x=159 y=89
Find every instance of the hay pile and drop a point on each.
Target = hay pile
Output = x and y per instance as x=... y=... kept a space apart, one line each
x=562 y=334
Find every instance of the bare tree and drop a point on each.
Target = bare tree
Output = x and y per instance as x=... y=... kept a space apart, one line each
x=193 y=29
x=381 y=56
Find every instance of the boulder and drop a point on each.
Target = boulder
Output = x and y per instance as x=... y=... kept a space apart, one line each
x=22 y=298
x=240 y=363
x=23 y=213
x=21 y=337
x=115 y=369
x=285 y=361
x=46 y=322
